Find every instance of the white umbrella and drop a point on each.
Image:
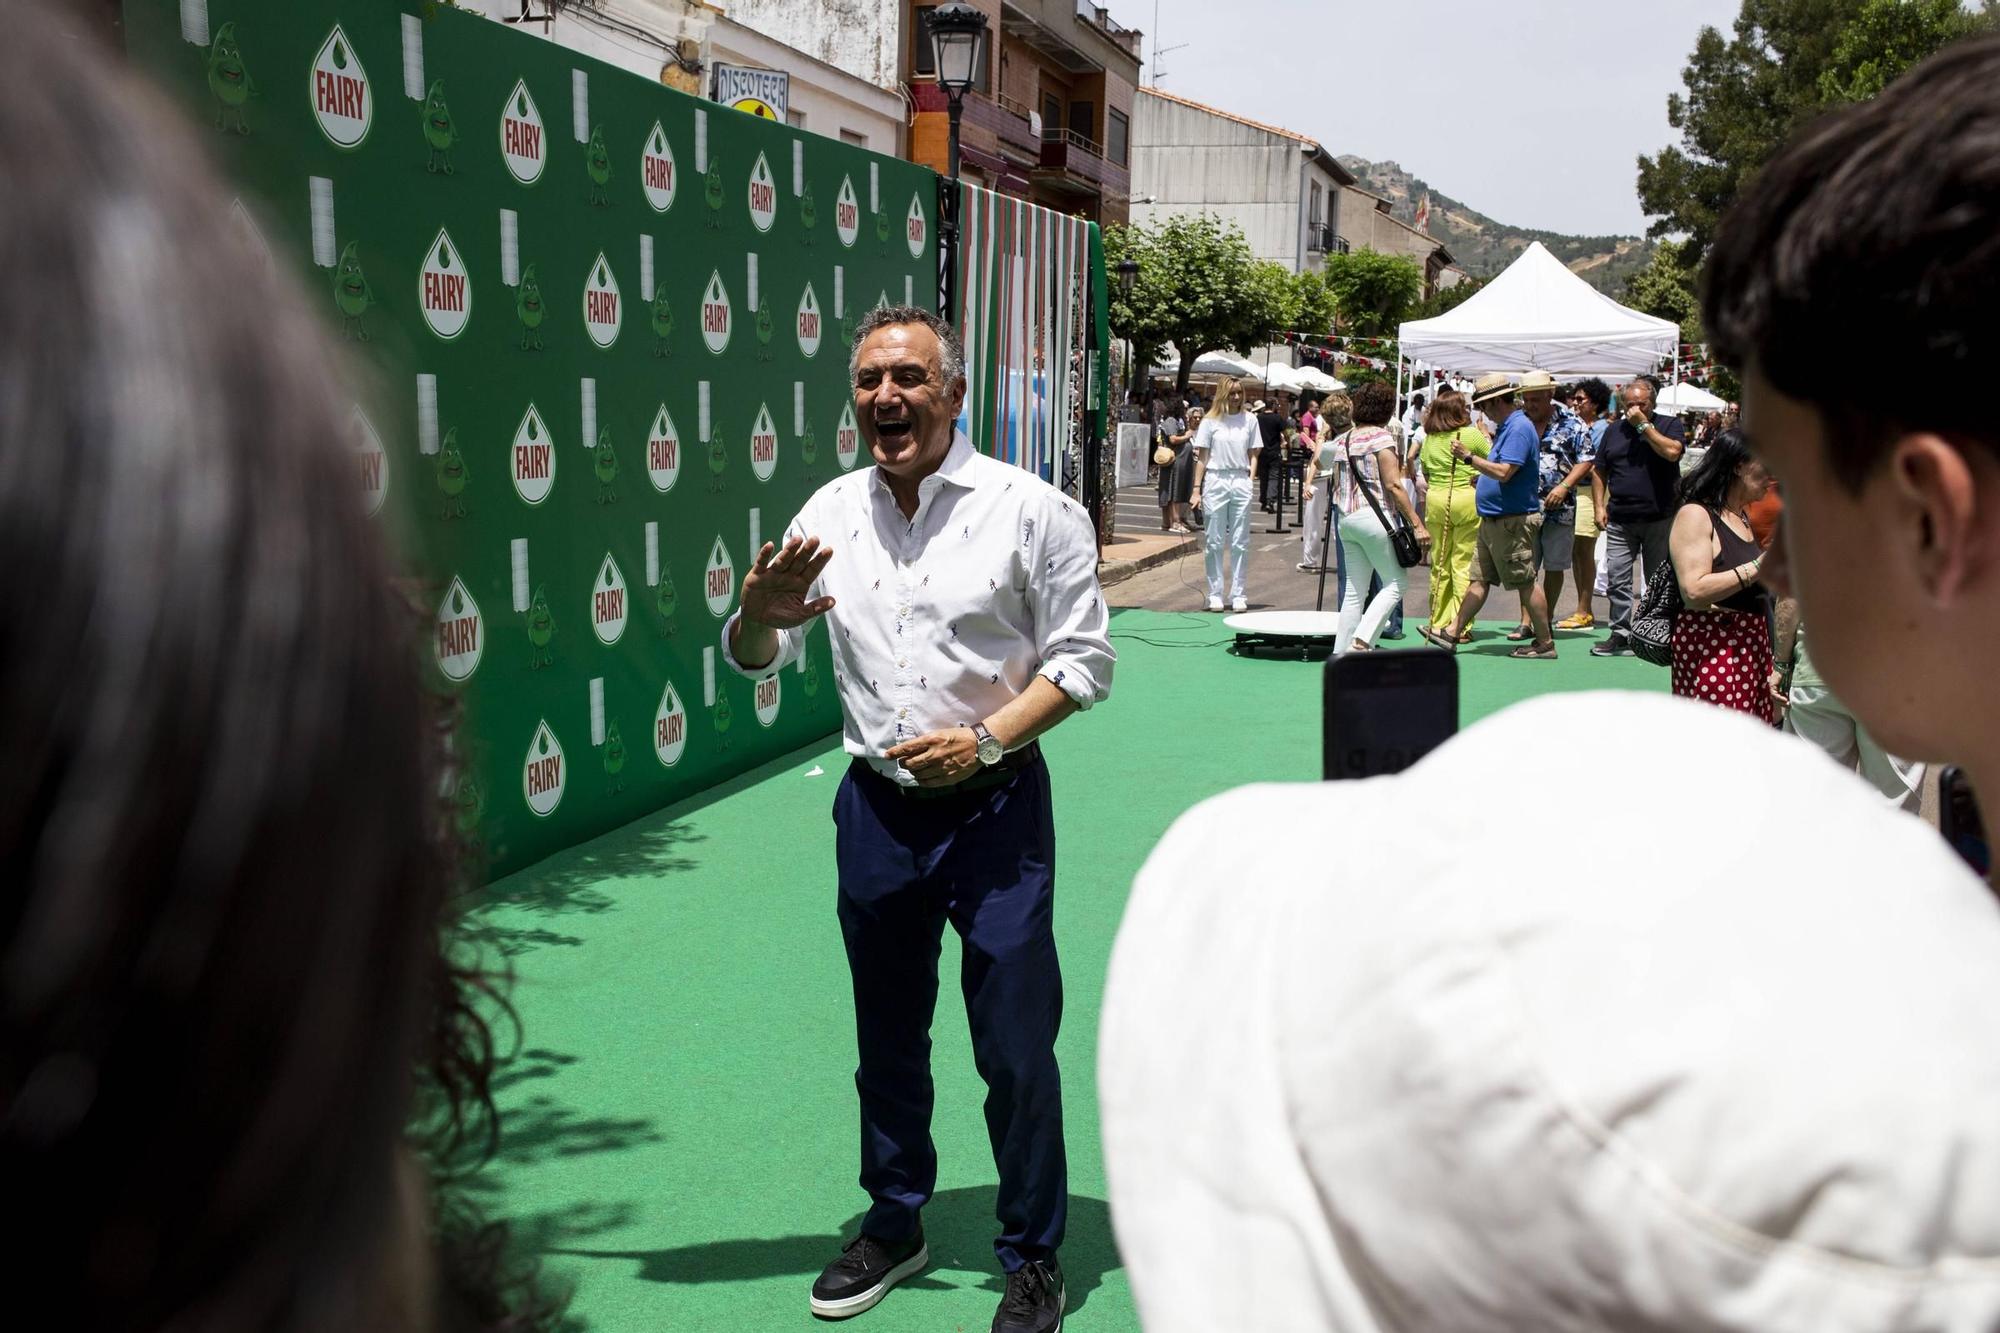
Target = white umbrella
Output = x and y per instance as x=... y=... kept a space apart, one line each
x=1280 y=376
x=1684 y=397
x=1312 y=377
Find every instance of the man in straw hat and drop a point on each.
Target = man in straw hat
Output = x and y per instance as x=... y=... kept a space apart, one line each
x=1510 y=520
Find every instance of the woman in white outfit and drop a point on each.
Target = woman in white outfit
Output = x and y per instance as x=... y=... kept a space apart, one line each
x=1367 y=462
x=1336 y=414
x=1225 y=476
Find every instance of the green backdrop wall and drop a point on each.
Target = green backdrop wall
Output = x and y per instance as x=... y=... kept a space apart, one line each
x=607 y=324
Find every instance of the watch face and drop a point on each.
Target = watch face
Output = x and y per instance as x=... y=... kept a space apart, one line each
x=990 y=751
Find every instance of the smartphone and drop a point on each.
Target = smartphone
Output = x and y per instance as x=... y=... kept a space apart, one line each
x=1386 y=710
x=1959 y=821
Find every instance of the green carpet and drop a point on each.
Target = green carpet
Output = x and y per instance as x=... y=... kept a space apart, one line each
x=680 y=1129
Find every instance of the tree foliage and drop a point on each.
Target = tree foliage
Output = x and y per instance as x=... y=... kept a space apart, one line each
x=1784 y=62
x=1372 y=293
x=1200 y=288
x=1665 y=289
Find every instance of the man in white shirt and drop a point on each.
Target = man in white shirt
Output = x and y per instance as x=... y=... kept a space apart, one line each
x=1226 y=450
x=966 y=620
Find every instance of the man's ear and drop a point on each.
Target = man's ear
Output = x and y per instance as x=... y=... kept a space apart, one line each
x=1947 y=513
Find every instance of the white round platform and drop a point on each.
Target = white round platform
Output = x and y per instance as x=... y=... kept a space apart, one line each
x=1286 y=624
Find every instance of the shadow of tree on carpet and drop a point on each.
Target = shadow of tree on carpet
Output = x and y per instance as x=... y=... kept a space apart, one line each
x=958 y=1226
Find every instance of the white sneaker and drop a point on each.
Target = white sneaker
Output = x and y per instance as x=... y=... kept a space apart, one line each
x=1238 y=605
x=1215 y=603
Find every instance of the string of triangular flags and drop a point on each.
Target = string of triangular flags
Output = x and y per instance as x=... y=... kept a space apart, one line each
x=1337 y=349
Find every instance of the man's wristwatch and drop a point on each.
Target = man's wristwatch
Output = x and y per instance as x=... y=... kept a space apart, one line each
x=991 y=751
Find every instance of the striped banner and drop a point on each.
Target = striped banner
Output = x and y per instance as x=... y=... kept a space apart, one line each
x=1025 y=283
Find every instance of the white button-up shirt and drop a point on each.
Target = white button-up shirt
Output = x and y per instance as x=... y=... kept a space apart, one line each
x=941 y=619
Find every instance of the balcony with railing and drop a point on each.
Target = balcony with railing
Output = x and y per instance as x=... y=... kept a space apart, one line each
x=1069 y=158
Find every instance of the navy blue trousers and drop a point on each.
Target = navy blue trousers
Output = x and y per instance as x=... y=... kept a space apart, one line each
x=985 y=862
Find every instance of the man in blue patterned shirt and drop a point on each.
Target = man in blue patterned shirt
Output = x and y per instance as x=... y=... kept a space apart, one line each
x=1567 y=454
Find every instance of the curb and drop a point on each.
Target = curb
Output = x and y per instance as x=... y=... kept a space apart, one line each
x=1117 y=571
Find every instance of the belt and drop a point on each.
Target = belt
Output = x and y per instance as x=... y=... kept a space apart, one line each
x=993 y=776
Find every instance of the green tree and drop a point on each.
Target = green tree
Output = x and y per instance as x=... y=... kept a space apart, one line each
x=1784 y=62
x=1199 y=288
x=1665 y=289
x=1372 y=293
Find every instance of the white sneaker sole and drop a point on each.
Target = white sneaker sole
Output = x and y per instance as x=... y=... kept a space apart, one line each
x=849 y=1306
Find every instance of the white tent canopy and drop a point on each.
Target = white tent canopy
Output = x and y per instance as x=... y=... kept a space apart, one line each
x=1211 y=363
x=1538 y=315
x=1678 y=398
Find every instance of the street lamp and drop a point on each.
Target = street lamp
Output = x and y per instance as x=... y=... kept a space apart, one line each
x=958 y=49
x=1128 y=273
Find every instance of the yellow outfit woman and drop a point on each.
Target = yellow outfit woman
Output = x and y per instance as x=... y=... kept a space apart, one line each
x=1451 y=515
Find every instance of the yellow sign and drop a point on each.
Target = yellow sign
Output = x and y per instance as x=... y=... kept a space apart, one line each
x=757 y=107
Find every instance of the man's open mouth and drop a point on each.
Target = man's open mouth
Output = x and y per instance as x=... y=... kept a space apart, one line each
x=894 y=428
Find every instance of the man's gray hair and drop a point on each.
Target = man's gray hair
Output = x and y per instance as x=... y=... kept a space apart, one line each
x=951 y=348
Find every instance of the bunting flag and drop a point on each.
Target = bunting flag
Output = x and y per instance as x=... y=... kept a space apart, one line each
x=1026 y=278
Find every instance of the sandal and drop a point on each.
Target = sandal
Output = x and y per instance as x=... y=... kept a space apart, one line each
x=1437 y=640
x=1581 y=620
x=1520 y=634
x=1540 y=652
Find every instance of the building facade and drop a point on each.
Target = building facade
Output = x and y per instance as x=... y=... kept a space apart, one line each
x=1049 y=118
x=1366 y=224
x=1282 y=188
x=677 y=42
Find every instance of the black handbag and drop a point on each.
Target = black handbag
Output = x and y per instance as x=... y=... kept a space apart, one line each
x=1402 y=539
x=1652 y=636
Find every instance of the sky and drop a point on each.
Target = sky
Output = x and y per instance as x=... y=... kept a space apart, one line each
x=1533 y=112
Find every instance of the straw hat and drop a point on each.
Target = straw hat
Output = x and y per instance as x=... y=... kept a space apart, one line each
x=1536 y=379
x=1495 y=385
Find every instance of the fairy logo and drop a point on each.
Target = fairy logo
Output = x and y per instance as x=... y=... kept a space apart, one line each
x=543 y=775
x=656 y=170
x=601 y=313
x=444 y=289
x=763 y=444
x=767 y=694
x=608 y=602
x=847 y=214
x=524 y=144
x=670 y=727
x=534 y=458
x=809 y=322
x=461 y=633
x=371 y=461
x=663 y=451
x=763 y=195
x=847 y=439
x=720 y=584
x=716 y=316
x=342 y=101
x=917 y=228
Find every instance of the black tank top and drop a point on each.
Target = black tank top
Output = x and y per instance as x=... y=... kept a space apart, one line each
x=1736 y=551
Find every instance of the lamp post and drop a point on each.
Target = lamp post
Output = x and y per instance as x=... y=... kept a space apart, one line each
x=958 y=47
x=1128 y=273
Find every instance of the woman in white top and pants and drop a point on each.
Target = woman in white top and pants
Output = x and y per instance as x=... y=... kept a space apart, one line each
x=1336 y=414
x=1368 y=456
x=1225 y=473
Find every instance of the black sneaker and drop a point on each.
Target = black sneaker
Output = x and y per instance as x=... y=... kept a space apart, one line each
x=864 y=1272
x=1035 y=1299
x=1615 y=646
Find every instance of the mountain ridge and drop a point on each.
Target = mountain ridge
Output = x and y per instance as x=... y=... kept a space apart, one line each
x=1483 y=246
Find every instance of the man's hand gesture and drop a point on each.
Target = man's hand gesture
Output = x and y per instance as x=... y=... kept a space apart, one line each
x=774 y=591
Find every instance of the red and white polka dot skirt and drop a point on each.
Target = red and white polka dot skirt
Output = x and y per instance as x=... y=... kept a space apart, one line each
x=1724 y=657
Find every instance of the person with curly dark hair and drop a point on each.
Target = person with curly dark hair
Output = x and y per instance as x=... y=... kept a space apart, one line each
x=243 y=1063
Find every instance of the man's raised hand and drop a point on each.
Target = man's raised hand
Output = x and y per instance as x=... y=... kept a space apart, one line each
x=774 y=591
